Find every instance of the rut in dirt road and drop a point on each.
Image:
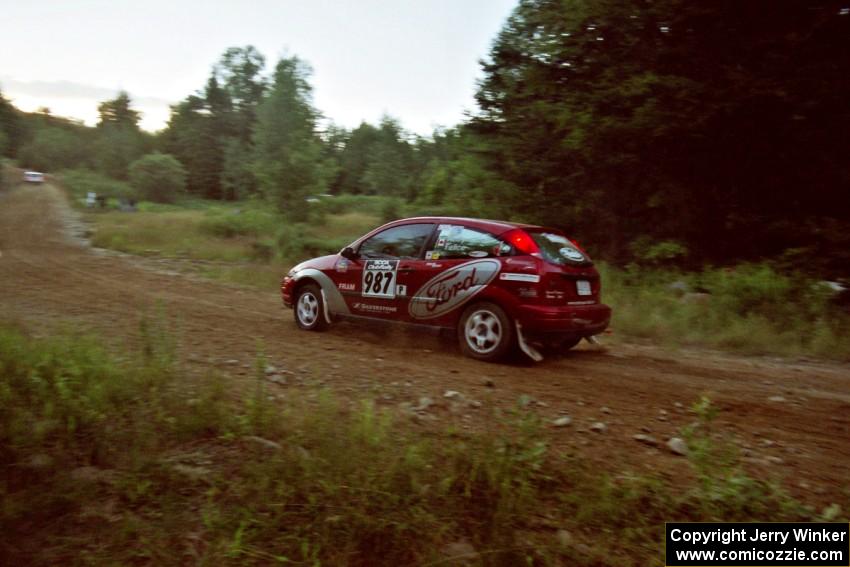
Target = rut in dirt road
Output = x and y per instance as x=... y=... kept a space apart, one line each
x=790 y=419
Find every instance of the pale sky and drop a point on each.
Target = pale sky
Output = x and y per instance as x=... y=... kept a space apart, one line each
x=414 y=60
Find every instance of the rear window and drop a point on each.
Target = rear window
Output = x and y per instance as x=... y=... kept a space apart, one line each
x=557 y=248
x=455 y=241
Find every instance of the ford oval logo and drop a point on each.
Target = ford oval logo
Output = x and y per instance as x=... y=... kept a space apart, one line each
x=452 y=288
x=572 y=254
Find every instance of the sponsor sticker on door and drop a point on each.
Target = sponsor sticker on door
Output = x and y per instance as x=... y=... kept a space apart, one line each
x=452 y=288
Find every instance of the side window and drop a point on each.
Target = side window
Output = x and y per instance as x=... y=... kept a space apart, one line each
x=405 y=241
x=455 y=241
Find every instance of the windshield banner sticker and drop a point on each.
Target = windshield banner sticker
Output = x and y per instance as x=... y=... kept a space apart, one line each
x=452 y=288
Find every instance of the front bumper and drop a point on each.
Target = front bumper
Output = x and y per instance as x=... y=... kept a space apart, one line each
x=286 y=288
x=568 y=320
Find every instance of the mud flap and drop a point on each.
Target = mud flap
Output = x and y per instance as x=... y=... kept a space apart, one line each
x=325 y=308
x=592 y=340
x=529 y=350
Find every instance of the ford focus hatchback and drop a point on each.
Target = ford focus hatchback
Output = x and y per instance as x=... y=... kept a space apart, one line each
x=498 y=285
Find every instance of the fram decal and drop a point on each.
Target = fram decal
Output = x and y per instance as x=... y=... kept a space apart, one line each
x=533 y=278
x=452 y=288
x=346 y=286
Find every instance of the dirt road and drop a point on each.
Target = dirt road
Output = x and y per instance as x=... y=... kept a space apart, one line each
x=791 y=420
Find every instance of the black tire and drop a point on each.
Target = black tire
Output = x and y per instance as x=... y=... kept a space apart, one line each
x=309 y=308
x=485 y=332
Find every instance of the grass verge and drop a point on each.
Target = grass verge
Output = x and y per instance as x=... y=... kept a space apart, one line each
x=124 y=460
x=751 y=308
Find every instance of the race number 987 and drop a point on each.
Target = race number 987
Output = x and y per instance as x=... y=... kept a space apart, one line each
x=379 y=278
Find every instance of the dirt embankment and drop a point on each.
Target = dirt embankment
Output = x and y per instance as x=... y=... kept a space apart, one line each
x=791 y=420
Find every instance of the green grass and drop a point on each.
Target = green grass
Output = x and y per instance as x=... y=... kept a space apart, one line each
x=173 y=234
x=80 y=182
x=261 y=276
x=345 y=226
x=123 y=459
x=240 y=233
x=752 y=309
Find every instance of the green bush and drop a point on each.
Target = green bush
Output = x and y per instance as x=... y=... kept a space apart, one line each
x=82 y=181
x=346 y=203
x=294 y=245
x=4 y=173
x=53 y=149
x=229 y=223
x=158 y=177
x=653 y=253
x=751 y=307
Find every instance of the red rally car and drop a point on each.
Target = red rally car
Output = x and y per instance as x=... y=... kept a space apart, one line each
x=498 y=284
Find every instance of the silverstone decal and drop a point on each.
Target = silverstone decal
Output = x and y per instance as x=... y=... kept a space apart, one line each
x=452 y=288
x=372 y=308
x=533 y=278
x=379 y=277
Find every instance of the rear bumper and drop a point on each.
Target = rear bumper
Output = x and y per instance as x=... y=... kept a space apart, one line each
x=572 y=320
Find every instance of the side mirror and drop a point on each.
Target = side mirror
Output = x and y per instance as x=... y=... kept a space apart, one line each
x=349 y=253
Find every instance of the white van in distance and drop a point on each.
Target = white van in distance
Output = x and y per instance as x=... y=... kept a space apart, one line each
x=33 y=177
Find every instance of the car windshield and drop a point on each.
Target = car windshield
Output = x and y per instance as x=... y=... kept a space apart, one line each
x=557 y=248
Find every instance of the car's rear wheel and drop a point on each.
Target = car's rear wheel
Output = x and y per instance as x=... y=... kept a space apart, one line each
x=310 y=309
x=485 y=332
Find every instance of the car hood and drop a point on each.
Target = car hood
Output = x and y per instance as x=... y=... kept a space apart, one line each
x=321 y=263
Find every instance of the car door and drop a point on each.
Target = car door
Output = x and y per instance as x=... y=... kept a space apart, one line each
x=458 y=264
x=376 y=284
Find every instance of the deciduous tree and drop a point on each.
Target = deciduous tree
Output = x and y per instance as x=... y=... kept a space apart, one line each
x=158 y=177
x=288 y=149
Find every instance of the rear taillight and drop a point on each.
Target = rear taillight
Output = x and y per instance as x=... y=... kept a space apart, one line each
x=520 y=240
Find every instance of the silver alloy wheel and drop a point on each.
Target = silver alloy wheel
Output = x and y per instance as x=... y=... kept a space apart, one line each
x=483 y=331
x=308 y=309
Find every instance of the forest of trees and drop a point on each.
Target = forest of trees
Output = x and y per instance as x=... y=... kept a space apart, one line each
x=692 y=131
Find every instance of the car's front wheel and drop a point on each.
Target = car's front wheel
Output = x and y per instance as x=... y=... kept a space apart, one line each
x=310 y=309
x=485 y=332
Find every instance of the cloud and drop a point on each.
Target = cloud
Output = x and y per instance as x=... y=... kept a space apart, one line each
x=79 y=100
x=70 y=89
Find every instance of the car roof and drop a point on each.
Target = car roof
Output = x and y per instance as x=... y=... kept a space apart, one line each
x=492 y=226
